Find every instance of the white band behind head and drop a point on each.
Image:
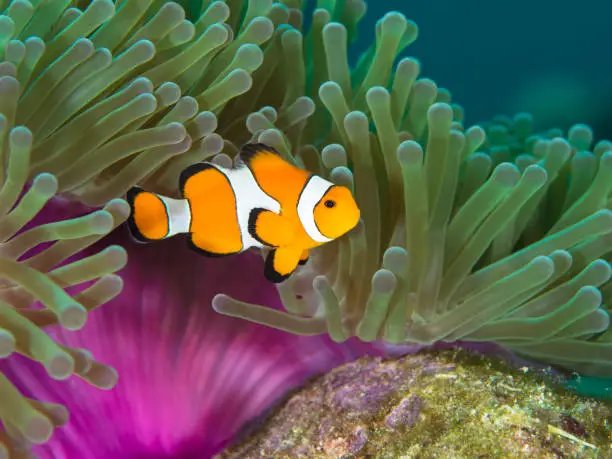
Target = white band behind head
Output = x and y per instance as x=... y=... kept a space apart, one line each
x=313 y=192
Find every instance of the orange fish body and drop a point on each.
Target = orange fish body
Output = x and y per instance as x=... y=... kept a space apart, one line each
x=262 y=202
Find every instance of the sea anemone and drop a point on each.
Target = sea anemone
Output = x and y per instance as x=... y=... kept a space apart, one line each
x=189 y=378
x=501 y=236
x=39 y=272
x=489 y=233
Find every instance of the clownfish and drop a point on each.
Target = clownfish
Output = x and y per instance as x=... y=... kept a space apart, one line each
x=262 y=201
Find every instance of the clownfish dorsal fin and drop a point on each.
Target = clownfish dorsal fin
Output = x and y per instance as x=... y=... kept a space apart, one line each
x=250 y=151
x=190 y=171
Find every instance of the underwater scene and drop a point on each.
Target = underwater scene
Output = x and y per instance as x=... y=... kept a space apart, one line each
x=305 y=228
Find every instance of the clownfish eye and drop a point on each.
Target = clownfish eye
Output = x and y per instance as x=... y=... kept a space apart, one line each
x=329 y=203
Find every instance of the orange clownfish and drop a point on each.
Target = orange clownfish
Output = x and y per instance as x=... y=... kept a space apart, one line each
x=263 y=201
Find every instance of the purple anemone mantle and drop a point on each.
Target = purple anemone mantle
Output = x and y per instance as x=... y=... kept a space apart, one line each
x=189 y=378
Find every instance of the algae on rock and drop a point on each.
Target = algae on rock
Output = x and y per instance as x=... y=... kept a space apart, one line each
x=433 y=404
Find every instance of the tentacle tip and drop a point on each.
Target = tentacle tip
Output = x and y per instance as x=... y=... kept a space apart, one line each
x=73 y=317
x=59 y=414
x=217 y=34
x=357 y=120
x=83 y=46
x=328 y=88
x=536 y=174
x=45 y=184
x=383 y=281
x=580 y=129
x=223 y=160
x=106 y=379
x=101 y=222
x=410 y=152
x=292 y=37
x=377 y=94
x=117 y=257
x=37 y=42
x=142 y=85
x=113 y=283
x=83 y=361
x=120 y=206
x=21 y=137
x=9 y=84
x=319 y=283
x=394 y=19
x=147 y=47
x=38 y=429
x=592 y=293
x=176 y=131
x=544 y=266
x=409 y=65
x=146 y=103
x=395 y=258
x=606 y=159
x=334 y=30
x=220 y=301
x=507 y=174
x=440 y=112
x=560 y=142
x=104 y=9
x=60 y=366
x=263 y=27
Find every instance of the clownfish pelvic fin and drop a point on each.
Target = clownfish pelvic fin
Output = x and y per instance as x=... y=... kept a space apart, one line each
x=281 y=263
x=154 y=217
x=270 y=229
x=304 y=257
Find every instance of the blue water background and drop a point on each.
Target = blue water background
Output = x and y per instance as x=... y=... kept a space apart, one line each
x=548 y=57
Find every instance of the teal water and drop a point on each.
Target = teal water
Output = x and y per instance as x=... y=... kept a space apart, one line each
x=548 y=57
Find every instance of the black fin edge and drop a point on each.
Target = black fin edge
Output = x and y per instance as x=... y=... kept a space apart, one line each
x=252 y=226
x=271 y=274
x=304 y=261
x=131 y=224
x=189 y=172
x=203 y=252
x=250 y=150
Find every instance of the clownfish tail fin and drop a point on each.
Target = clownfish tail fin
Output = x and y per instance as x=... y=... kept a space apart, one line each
x=154 y=217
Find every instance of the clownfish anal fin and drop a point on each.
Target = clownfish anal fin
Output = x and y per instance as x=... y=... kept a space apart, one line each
x=190 y=171
x=304 y=257
x=269 y=228
x=281 y=263
x=251 y=150
x=207 y=248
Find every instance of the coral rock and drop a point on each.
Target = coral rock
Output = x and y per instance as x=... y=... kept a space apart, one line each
x=433 y=404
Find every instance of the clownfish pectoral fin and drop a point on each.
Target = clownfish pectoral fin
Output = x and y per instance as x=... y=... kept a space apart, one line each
x=304 y=257
x=250 y=151
x=149 y=219
x=208 y=248
x=272 y=230
x=281 y=263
